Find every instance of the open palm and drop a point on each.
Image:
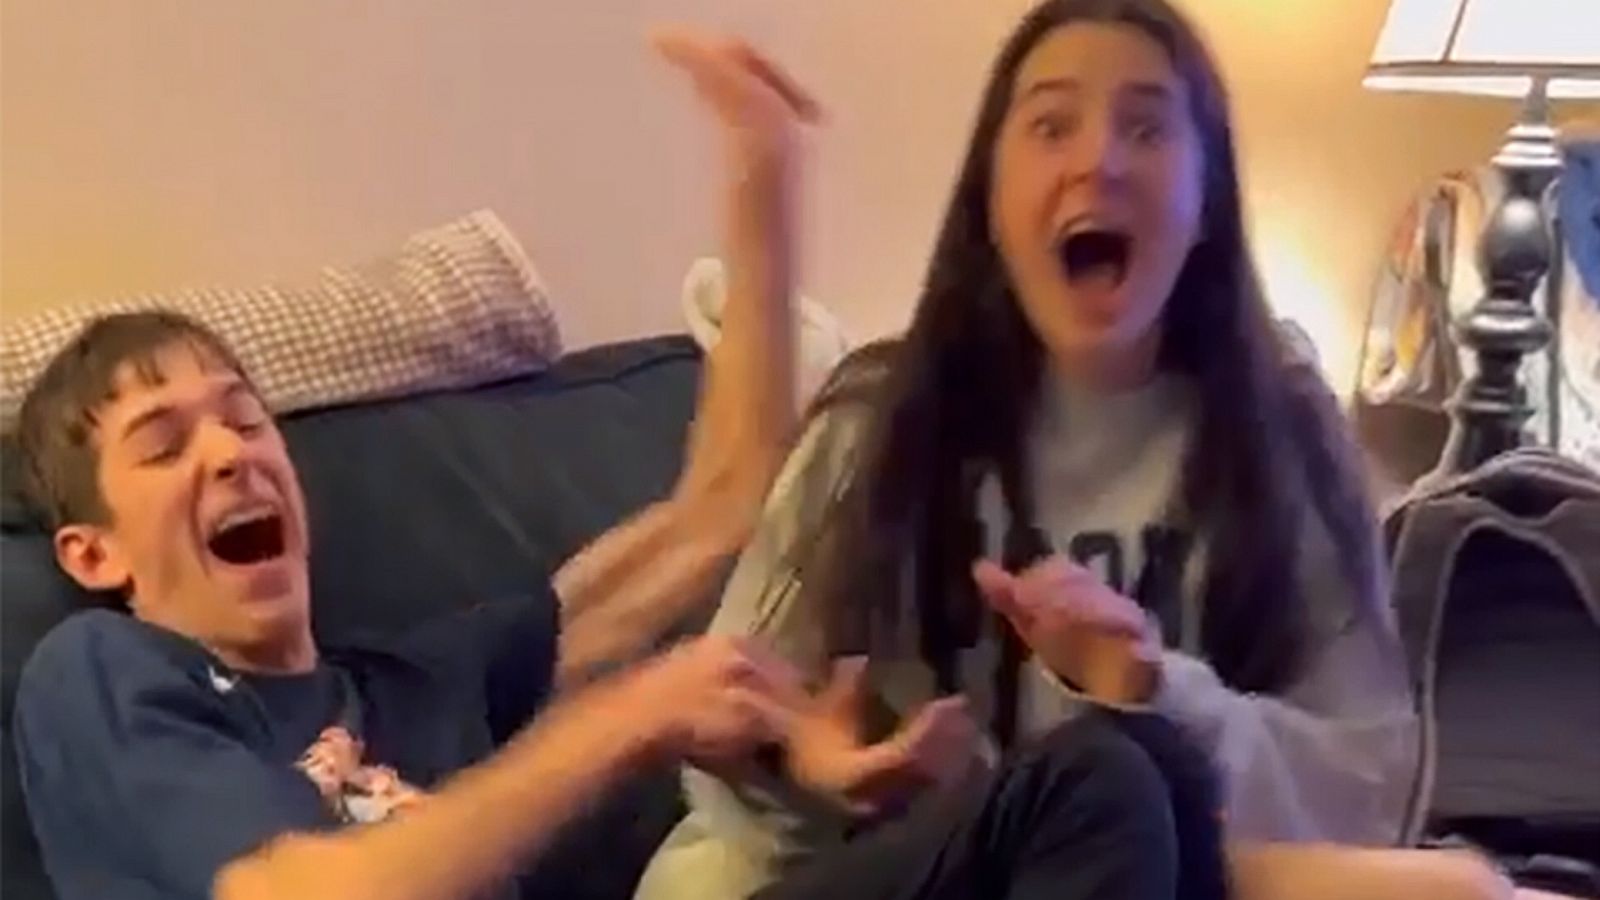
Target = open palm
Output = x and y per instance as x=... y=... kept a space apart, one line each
x=759 y=102
x=934 y=747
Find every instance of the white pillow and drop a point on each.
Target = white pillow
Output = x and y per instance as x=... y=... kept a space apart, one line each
x=822 y=341
x=455 y=306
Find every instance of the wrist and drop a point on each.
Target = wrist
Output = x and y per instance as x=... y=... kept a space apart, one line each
x=757 y=158
x=654 y=732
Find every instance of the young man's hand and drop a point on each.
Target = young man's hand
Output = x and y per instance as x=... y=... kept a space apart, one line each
x=825 y=753
x=713 y=700
x=1099 y=641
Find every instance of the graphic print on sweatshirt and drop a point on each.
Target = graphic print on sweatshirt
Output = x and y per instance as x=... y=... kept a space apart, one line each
x=1147 y=566
x=355 y=792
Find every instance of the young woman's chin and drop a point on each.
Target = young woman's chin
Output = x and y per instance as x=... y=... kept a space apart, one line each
x=1099 y=324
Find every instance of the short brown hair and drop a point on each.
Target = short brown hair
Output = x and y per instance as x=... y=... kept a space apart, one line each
x=56 y=426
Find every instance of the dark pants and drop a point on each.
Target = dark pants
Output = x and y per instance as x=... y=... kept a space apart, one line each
x=1109 y=806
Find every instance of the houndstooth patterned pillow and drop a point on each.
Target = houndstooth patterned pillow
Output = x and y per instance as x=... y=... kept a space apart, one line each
x=455 y=306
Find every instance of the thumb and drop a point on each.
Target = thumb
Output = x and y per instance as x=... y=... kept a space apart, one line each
x=898 y=755
x=992 y=580
x=930 y=723
x=846 y=690
x=999 y=588
x=680 y=46
x=698 y=54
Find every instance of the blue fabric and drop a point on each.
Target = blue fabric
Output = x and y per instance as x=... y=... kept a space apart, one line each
x=424 y=506
x=148 y=766
x=1579 y=203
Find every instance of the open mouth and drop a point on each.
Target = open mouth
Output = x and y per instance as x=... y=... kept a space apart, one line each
x=1096 y=256
x=248 y=537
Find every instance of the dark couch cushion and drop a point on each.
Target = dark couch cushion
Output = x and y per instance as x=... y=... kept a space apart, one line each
x=421 y=506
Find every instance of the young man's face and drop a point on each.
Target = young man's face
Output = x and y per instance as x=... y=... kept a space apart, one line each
x=207 y=532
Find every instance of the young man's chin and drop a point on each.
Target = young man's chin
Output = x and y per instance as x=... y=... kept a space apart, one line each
x=272 y=581
x=271 y=594
x=282 y=621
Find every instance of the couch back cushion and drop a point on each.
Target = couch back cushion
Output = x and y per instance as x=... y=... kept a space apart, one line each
x=420 y=506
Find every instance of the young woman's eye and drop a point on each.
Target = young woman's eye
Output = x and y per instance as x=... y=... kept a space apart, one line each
x=1050 y=126
x=1148 y=129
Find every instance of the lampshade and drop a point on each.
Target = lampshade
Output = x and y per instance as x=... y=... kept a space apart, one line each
x=1492 y=47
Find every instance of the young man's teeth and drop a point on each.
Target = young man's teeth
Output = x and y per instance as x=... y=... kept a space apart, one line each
x=243 y=517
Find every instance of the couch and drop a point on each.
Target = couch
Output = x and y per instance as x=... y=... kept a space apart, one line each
x=419 y=506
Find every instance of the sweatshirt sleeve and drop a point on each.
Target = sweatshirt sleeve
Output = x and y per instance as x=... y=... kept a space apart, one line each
x=1333 y=758
x=740 y=834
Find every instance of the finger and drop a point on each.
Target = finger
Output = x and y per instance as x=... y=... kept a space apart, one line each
x=1109 y=610
x=770 y=672
x=991 y=578
x=1000 y=589
x=687 y=59
x=846 y=689
x=1056 y=567
x=797 y=97
x=1082 y=603
x=1061 y=573
x=682 y=46
x=913 y=757
x=757 y=718
x=939 y=720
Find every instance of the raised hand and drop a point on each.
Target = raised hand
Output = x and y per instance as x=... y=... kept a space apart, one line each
x=1099 y=641
x=757 y=101
x=746 y=416
x=934 y=748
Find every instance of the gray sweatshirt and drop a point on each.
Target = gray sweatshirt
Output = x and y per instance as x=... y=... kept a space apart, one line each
x=1330 y=759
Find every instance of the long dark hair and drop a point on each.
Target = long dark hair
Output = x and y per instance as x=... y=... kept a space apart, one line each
x=952 y=401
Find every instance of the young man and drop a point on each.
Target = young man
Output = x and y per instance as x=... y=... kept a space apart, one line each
x=204 y=742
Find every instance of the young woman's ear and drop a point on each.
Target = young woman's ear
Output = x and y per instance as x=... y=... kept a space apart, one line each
x=91 y=557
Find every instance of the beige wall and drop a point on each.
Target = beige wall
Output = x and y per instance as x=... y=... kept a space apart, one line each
x=170 y=142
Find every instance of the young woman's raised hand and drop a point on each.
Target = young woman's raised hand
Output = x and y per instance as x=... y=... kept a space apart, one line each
x=759 y=103
x=1095 y=639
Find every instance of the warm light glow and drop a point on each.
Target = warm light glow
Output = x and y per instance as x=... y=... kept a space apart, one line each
x=1489 y=47
x=1301 y=286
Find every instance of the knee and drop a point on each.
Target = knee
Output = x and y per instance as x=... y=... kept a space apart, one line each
x=1092 y=759
x=1141 y=750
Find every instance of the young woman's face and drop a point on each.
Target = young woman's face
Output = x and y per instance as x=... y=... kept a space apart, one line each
x=1097 y=190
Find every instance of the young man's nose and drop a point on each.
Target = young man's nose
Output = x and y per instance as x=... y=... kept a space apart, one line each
x=222 y=450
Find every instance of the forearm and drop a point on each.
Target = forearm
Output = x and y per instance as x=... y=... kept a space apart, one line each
x=626 y=590
x=1298 y=773
x=746 y=413
x=620 y=594
x=1332 y=872
x=754 y=361
x=610 y=559
x=474 y=832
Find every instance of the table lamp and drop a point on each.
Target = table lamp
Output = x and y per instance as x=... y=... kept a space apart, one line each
x=1539 y=51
